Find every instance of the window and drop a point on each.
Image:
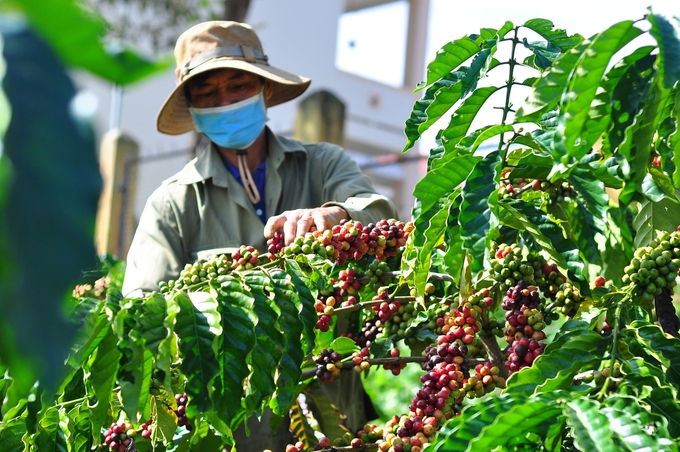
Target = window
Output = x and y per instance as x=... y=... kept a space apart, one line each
x=371 y=41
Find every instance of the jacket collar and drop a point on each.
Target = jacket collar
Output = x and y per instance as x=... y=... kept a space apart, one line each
x=209 y=164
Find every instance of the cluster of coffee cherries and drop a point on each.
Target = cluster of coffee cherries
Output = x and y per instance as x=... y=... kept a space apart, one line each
x=275 y=244
x=485 y=380
x=369 y=332
x=407 y=433
x=297 y=447
x=349 y=240
x=379 y=274
x=559 y=191
x=326 y=365
x=360 y=360
x=245 y=258
x=182 y=420
x=513 y=188
x=395 y=368
x=146 y=429
x=347 y=282
x=119 y=436
x=462 y=323
x=198 y=272
x=654 y=267
x=323 y=323
x=99 y=290
x=508 y=266
x=387 y=308
x=568 y=299
x=524 y=325
x=397 y=327
x=371 y=328
x=551 y=280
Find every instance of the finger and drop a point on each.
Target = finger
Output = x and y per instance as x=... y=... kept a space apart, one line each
x=289 y=230
x=304 y=224
x=321 y=220
x=273 y=224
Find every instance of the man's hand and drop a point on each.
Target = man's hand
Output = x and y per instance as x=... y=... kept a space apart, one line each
x=297 y=222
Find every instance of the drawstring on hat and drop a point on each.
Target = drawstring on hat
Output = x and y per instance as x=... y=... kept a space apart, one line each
x=247 y=177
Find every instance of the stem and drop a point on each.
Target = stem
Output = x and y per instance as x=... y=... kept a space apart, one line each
x=612 y=361
x=72 y=402
x=508 y=84
x=363 y=447
x=495 y=353
x=309 y=373
x=368 y=304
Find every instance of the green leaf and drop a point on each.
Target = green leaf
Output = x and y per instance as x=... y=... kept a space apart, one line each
x=51 y=194
x=196 y=331
x=450 y=56
x=474 y=140
x=630 y=422
x=51 y=434
x=443 y=178
x=238 y=340
x=628 y=96
x=449 y=88
x=11 y=433
x=80 y=429
x=266 y=353
x=331 y=420
x=462 y=118
x=154 y=332
x=641 y=139
x=555 y=36
x=658 y=185
x=165 y=421
x=479 y=195
x=549 y=88
x=485 y=425
x=102 y=377
x=583 y=85
x=592 y=190
x=76 y=38
x=556 y=367
x=134 y=388
x=344 y=346
x=655 y=216
x=288 y=373
x=299 y=426
x=549 y=236
x=667 y=35
x=663 y=348
x=589 y=427
x=662 y=398
x=584 y=229
x=304 y=300
x=432 y=237
x=92 y=335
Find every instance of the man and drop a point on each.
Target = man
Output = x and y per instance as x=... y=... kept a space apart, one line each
x=248 y=183
x=248 y=176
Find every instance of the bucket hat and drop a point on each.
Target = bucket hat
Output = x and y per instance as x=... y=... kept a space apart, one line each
x=218 y=45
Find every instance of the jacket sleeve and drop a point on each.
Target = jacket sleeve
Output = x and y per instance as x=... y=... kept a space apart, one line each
x=346 y=186
x=156 y=252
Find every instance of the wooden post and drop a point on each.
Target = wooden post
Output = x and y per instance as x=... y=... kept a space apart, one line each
x=320 y=117
x=118 y=165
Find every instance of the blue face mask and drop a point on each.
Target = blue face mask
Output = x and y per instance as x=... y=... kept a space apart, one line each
x=234 y=126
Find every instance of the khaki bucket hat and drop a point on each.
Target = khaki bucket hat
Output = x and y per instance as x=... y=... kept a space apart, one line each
x=218 y=45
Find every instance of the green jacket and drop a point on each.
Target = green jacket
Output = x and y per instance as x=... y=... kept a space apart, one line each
x=202 y=210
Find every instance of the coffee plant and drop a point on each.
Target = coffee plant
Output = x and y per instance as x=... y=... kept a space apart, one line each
x=533 y=289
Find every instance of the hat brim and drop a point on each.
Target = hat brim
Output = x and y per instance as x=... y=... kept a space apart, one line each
x=174 y=117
